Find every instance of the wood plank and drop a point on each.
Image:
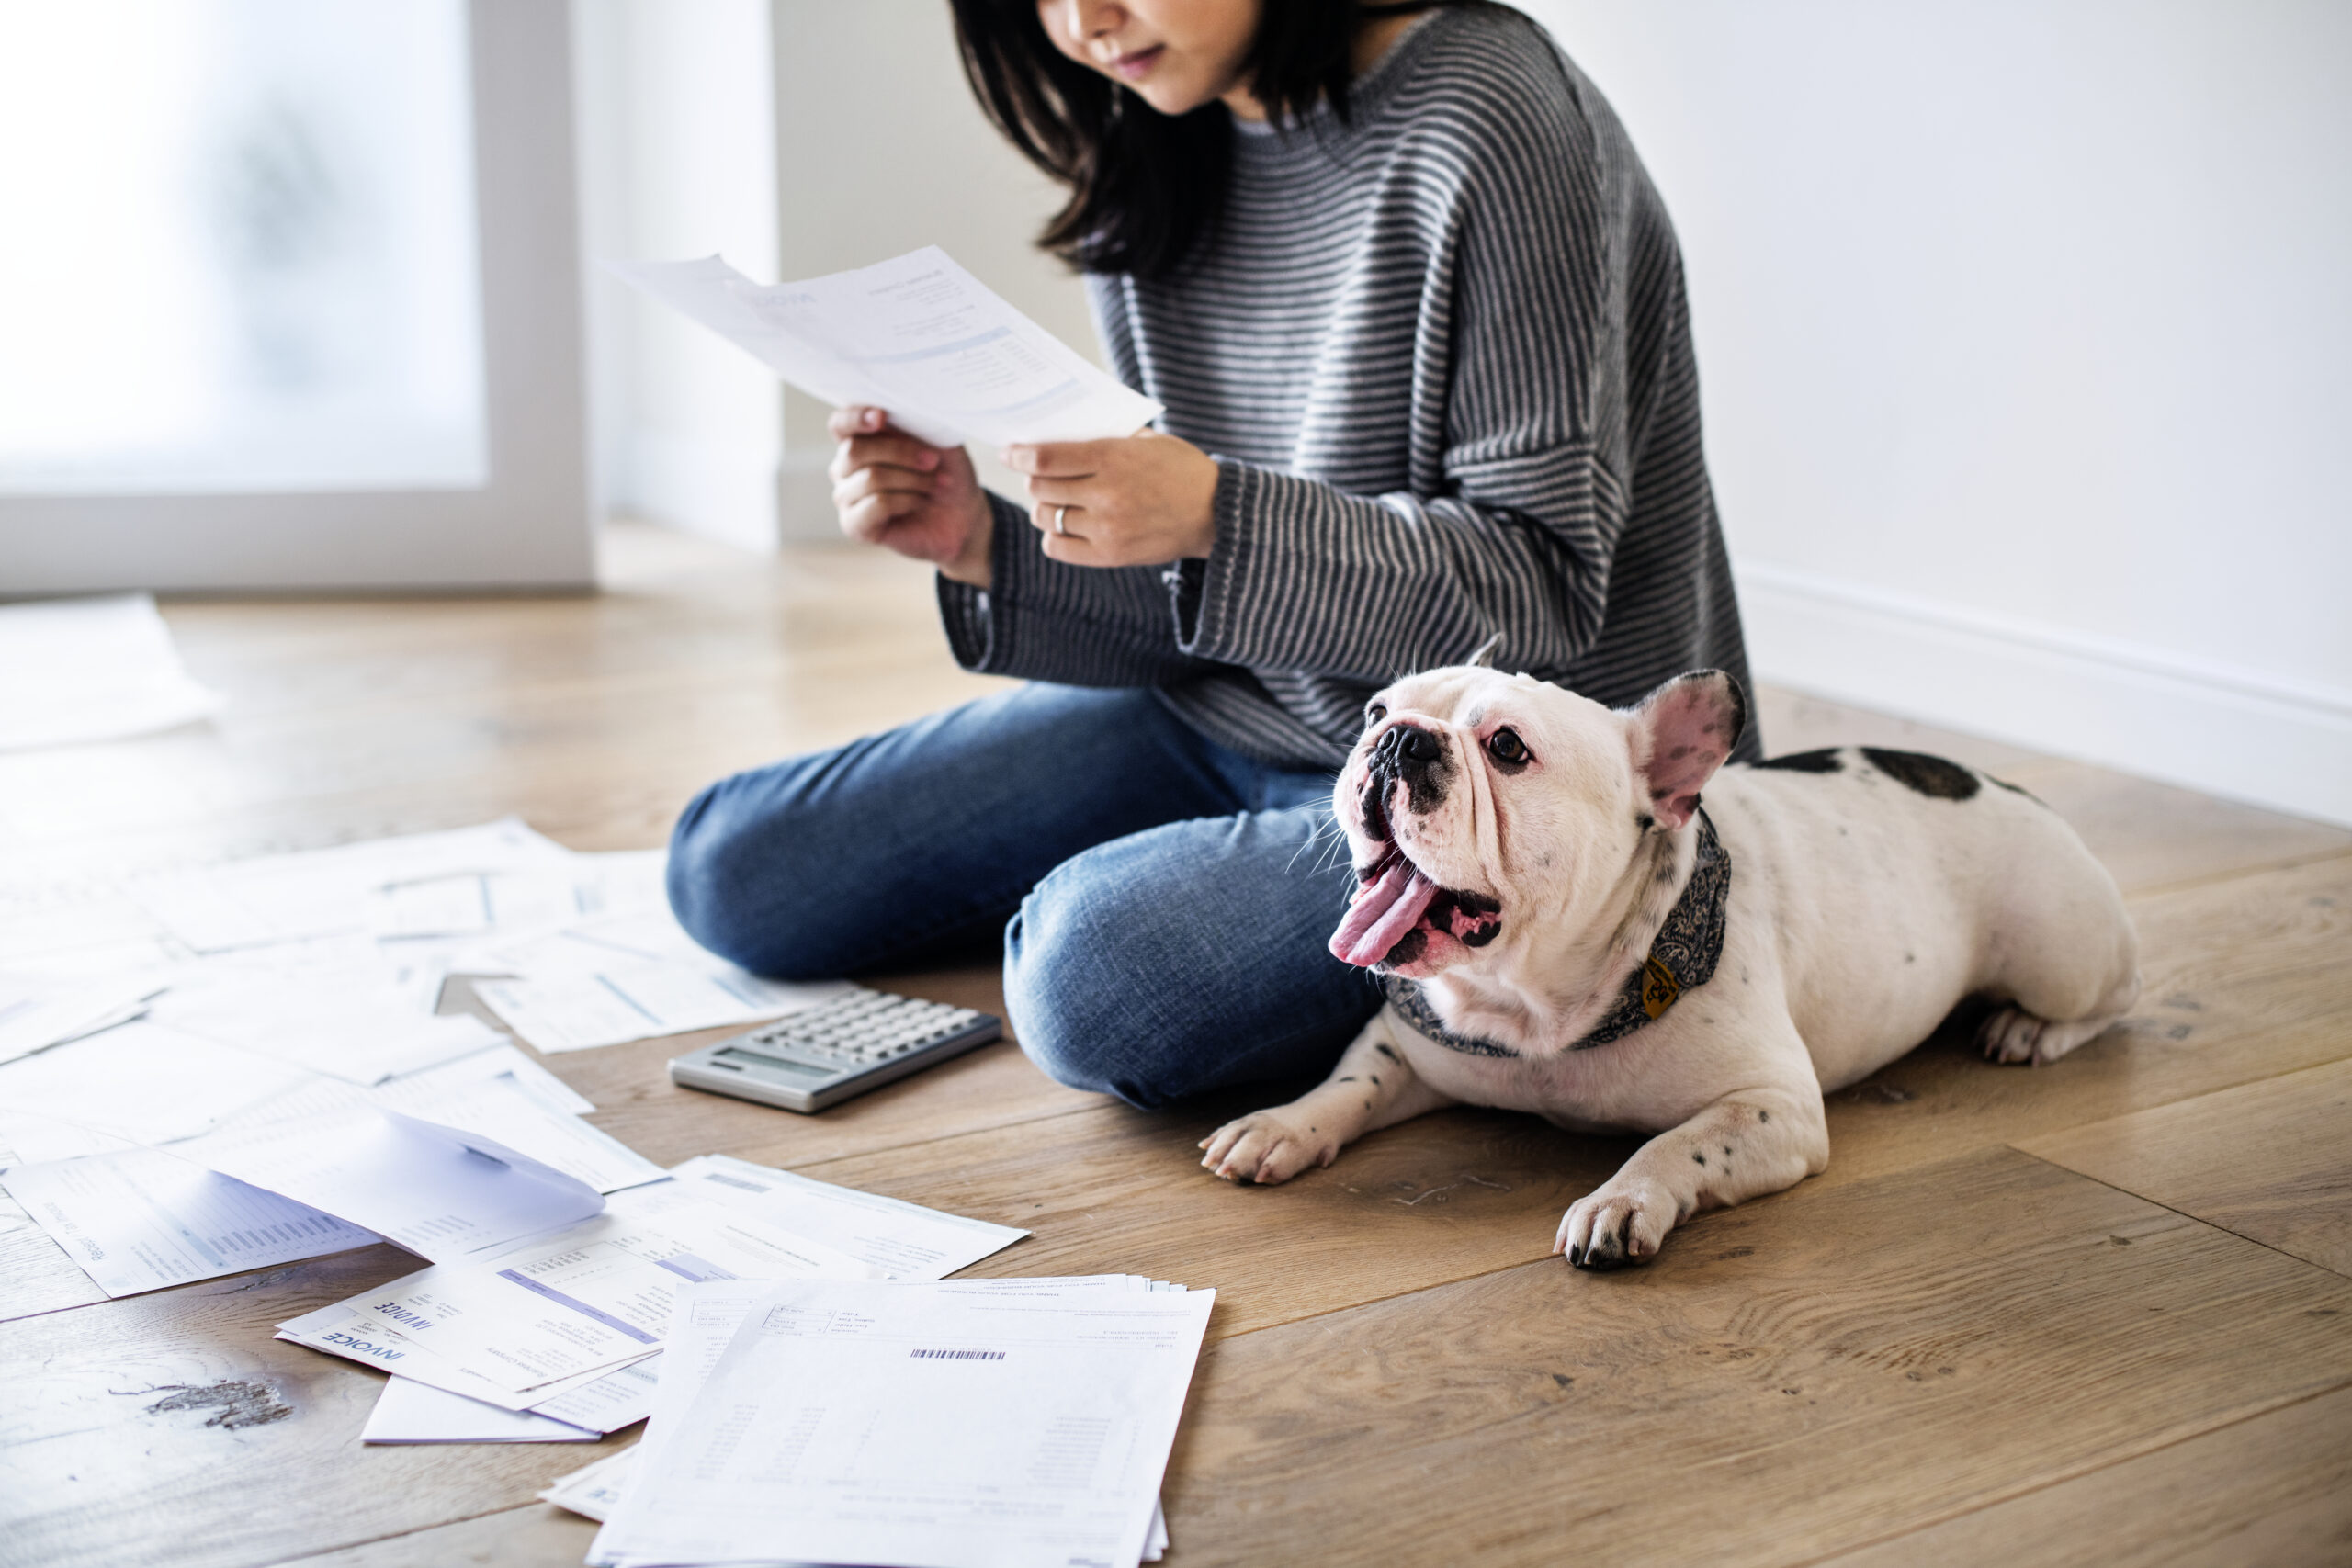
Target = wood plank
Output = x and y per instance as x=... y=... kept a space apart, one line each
x=1821 y=1373
x=171 y=1428
x=2244 y=980
x=538 y=1535
x=2148 y=834
x=1117 y=1190
x=2270 y=1160
x=2275 y=1490
x=2152 y=835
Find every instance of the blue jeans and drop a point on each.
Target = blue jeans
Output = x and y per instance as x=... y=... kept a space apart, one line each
x=1164 y=901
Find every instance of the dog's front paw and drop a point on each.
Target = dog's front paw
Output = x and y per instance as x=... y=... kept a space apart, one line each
x=1266 y=1146
x=1619 y=1223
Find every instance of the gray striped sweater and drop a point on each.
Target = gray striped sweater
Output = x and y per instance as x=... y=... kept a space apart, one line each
x=1442 y=356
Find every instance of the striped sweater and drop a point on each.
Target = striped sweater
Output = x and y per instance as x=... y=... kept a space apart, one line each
x=1442 y=356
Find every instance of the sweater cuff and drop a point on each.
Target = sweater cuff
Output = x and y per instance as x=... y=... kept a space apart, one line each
x=979 y=621
x=1204 y=592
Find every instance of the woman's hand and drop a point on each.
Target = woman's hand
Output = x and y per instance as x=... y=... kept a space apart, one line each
x=1141 y=499
x=910 y=496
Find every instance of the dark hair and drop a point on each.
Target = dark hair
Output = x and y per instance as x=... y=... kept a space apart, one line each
x=1147 y=189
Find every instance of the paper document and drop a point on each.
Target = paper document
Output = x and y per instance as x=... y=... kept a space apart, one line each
x=592 y=1298
x=36 y=1012
x=902 y=1241
x=593 y=1492
x=635 y=977
x=79 y=670
x=275 y=898
x=917 y=335
x=409 y=1411
x=974 y=1424
x=442 y=1193
x=142 y=1219
x=362 y=1033
x=139 y=1083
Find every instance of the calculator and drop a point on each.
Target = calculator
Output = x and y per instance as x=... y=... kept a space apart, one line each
x=821 y=1055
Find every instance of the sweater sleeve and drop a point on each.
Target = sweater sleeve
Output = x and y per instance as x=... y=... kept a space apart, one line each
x=1518 y=536
x=1040 y=620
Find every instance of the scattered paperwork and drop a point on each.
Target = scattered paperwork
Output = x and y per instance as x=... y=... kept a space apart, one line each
x=410 y=1412
x=861 y=1233
x=965 y=1424
x=82 y=669
x=917 y=335
x=154 y=1197
x=145 y=1219
x=36 y=1012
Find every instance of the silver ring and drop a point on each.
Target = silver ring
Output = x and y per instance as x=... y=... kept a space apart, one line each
x=1061 y=512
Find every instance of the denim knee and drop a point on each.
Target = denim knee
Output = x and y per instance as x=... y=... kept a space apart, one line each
x=1070 y=1006
x=722 y=890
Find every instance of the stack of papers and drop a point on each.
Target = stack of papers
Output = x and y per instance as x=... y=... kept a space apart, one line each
x=217 y=1068
x=156 y=1158
x=563 y=1334
x=969 y=1424
x=78 y=670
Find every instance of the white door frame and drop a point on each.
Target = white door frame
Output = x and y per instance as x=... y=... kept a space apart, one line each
x=528 y=527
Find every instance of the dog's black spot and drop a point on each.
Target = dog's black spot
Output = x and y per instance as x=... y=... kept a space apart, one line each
x=1386 y=1051
x=1910 y=958
x=1646 y=822
x=1375 y=1080
x=1727 y=1151
x=1563 y=1379
x=1923 y=775
x=1763 y=1116
x=1350 y=1078
x=1482 y=936
x=1409 y=946
x=1698 y=1158
x=1822 y=762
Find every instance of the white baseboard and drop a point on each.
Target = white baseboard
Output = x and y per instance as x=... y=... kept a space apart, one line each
x=2246 y=734
x=717 y=489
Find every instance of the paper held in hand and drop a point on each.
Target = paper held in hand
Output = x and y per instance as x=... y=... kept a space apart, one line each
x=917 y=335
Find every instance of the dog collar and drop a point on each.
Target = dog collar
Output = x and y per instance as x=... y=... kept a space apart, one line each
x=1682 y=956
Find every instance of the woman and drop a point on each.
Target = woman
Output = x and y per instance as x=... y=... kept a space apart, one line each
x=1416 y=316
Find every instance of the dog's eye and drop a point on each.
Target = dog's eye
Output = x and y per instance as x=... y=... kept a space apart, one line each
x=1507 y=746
x=1374 y=715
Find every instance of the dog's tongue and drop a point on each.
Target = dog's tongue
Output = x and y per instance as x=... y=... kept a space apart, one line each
x=1384 y=910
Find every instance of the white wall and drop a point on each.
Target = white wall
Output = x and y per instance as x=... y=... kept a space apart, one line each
x=882 y=149
x=677 y=136
x=2027 y=345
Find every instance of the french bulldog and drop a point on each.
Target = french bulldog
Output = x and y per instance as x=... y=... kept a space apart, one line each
x=1563 y=929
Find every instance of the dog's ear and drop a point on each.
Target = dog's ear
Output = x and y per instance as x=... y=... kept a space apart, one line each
x=1682 y=733
x=1484 y=658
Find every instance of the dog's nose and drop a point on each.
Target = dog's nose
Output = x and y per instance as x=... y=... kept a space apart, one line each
x=1418 y=747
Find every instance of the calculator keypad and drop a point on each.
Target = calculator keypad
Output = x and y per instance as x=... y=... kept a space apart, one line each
x=860 y=1029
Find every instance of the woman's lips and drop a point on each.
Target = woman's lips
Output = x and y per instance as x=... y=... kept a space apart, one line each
x=1137 y=66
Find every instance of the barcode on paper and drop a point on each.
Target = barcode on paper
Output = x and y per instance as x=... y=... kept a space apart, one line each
x=958 y=1355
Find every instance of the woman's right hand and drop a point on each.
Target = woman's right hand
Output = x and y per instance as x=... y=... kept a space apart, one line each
x=923 y=501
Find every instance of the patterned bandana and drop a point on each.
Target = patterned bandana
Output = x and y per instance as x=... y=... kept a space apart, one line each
x=1683 y=956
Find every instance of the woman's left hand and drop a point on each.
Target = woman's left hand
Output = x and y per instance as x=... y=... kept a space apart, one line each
x=1141 y=499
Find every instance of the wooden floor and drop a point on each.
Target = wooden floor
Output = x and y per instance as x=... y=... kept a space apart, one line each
x=2098 y=1313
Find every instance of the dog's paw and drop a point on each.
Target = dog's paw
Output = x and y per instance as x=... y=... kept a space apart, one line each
x=1619 y=1223
x=2012 y=1036
x=1266 y=1146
